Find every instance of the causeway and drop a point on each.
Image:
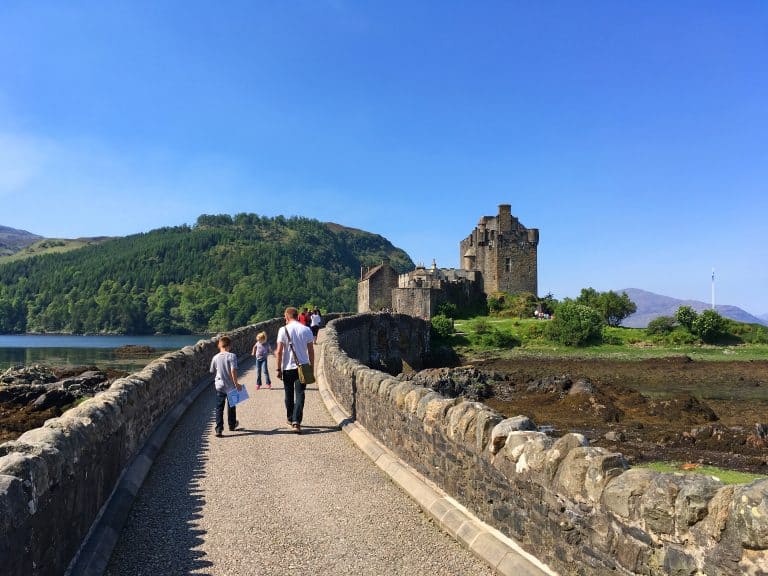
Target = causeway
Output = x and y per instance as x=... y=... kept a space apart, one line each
x=263 y=501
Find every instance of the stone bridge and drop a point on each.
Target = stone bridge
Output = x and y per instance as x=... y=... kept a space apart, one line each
x=388 y=478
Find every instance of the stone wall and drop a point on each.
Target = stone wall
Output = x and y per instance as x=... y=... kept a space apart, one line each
x=55 y=479
x=419 y=302
x=575 y=507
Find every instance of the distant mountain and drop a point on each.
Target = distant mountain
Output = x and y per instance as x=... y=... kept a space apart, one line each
x=220 y=273
x=650 y=306
x=763 y=317
x=12 y=240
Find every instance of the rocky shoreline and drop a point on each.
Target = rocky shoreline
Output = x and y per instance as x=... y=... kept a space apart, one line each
x=675 y=427
x=31 y=394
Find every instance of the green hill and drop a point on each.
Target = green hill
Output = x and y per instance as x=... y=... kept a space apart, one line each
x=13 y=240
x=50 y=246
x=220 y=273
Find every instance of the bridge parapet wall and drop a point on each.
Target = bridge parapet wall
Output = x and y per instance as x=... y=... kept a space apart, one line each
x=54 y=480
x=575 y=507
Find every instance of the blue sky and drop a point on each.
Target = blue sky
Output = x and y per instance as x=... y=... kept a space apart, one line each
x=633 y=134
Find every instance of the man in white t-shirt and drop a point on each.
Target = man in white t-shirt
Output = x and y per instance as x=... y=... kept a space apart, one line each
x=302 y=339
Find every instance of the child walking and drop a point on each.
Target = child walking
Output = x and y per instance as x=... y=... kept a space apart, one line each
x=261 y=350
x=224 y=365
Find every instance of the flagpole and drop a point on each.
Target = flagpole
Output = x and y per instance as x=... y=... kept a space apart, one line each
x=713 y=288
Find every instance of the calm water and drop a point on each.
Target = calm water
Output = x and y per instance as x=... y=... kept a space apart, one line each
x=78 y=350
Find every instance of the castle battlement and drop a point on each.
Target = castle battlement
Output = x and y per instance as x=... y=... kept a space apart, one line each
x=504 y=252
x=500 y=255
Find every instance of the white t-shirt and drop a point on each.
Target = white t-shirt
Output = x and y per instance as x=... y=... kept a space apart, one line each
x=301 y=336
x=316 y=320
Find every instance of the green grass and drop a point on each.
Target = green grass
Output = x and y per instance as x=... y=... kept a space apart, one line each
x=620 y=343
x=51 y=246
x=725 y=476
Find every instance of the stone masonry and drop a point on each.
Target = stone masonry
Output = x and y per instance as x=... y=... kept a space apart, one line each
x=577 y=508
x=55 y=479
x=374 y=290
x=504 y=252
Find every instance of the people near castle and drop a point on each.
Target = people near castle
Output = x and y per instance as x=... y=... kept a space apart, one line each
x=261 y=351
x=315 y=322
x=224 y=366
x=294 y=347
x=304 y=317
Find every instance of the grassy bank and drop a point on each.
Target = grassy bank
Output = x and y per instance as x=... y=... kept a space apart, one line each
x=508 y=337
x=725 y=476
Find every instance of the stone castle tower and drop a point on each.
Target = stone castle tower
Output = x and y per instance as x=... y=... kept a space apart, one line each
x=504 y=252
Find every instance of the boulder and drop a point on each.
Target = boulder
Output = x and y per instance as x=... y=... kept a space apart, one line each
x=32 y=374
x=55 y=398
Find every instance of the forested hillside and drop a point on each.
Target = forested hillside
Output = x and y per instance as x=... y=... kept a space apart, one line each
x=220 y=273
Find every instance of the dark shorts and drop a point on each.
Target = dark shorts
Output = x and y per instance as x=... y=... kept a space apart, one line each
x=315 y=329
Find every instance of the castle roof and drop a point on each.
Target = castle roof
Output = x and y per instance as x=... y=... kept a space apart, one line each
x=375 y=270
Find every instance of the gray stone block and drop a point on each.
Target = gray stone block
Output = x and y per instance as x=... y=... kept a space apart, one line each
x=505 y=427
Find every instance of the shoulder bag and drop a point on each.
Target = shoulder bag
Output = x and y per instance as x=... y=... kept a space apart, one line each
x=306 y=374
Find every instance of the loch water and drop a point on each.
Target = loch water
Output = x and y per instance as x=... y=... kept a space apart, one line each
x=66 y=350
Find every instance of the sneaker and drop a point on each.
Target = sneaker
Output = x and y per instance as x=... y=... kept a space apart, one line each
x=269 y=385
x=258 y=386
x=237 y=425
x=219 y=434
x=297 y=427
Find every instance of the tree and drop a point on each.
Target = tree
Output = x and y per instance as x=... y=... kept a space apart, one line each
x=613 y=307
x=589 y=297
x=710 y=326
x=686 y=316
x=575 y=324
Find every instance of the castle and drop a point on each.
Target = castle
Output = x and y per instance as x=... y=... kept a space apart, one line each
x=500 y=255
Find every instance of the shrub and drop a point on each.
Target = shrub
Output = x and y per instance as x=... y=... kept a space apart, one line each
x=686 y=316
x=710 y=326
x=575 y=325
x=495 y=338
x=661 y=326
x=679 y=336
x=535 y=331
x=442 y=327
x=447 y=309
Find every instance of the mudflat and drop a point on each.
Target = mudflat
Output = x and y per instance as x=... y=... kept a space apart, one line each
x=657 y=409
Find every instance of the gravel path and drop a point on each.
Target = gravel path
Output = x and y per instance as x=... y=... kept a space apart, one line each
x=263 y=501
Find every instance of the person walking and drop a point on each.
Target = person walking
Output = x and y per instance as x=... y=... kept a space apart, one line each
x=261 y=350
x=294 y=347
x=224 y=366
x=315 y=322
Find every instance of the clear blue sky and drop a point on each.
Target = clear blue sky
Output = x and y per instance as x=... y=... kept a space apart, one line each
x=633 y=134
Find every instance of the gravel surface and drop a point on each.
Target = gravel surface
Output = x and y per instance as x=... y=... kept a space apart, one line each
x=264 y=501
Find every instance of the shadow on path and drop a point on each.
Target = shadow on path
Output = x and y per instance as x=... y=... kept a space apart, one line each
x=162 y=534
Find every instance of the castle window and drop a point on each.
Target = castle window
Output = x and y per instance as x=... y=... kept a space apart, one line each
x=508 y=264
